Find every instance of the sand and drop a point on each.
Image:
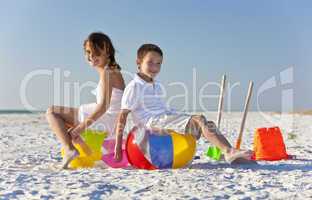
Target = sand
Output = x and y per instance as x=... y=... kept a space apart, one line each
x=30 y=155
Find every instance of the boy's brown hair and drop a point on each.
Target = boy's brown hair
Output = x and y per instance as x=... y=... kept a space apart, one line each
x=145 y=48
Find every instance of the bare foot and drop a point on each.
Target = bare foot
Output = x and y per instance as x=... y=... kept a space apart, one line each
x=234 y=154
x=68 y=157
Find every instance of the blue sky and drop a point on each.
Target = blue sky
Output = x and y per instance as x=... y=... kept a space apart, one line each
x=247 y=40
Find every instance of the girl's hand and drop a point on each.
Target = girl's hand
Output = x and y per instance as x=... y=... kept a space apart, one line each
x=75 y=132
x=118 y=153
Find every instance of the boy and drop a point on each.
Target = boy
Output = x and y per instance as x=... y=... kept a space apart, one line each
x=142 y=98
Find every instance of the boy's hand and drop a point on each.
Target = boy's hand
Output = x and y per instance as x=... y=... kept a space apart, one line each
x=118 y=153
x=121 y=123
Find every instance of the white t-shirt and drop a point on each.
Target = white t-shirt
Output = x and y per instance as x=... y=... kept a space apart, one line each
x=144 y=100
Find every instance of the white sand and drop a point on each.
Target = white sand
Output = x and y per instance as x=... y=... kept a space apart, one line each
x=29 y=153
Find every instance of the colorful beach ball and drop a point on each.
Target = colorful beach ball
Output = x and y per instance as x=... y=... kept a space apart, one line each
x=149 y=150
x=94 y=139
x=102 y=154
x=108 y=151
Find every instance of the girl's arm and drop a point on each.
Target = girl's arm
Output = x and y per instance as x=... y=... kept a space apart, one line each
x=104 y=103
x=100 y=107
x=120 y=126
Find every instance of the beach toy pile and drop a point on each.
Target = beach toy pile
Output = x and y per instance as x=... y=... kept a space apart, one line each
x=268 y=142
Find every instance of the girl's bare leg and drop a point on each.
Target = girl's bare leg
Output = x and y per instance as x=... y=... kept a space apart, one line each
x=60 y=119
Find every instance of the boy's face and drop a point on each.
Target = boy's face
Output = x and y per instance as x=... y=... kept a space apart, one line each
x=150 y=64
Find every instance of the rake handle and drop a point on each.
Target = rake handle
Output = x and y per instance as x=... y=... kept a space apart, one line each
x=247 y=102
x=221 y=98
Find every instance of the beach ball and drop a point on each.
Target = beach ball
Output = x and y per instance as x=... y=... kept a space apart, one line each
x=108 y=149
x=149 y=150
x=102 y=148
x=94 y=139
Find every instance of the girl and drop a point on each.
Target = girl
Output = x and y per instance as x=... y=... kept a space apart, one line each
x=68 y=123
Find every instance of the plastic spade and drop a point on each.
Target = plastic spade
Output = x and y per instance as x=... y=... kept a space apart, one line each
x=213 y=151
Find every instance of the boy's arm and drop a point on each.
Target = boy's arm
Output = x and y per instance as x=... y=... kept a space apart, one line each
x=120 y=126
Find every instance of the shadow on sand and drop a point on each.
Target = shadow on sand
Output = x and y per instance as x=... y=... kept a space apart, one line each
x=306 y=165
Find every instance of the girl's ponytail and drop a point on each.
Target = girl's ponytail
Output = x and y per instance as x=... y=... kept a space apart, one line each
x=112 y=64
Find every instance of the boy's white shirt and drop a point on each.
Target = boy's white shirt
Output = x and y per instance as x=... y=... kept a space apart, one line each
x=144 y=100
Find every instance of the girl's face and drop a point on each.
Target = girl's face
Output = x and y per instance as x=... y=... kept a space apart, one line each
x=150 y=64
x=95 y=59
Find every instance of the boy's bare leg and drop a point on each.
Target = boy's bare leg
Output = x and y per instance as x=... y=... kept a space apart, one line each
x=59 y=118
x=213 y=135
x=213 y=128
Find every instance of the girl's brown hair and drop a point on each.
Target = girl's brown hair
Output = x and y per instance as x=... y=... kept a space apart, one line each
x=98 y=42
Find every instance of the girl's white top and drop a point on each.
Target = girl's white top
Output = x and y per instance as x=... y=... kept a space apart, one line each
x=115 y=101
x=107 y=121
